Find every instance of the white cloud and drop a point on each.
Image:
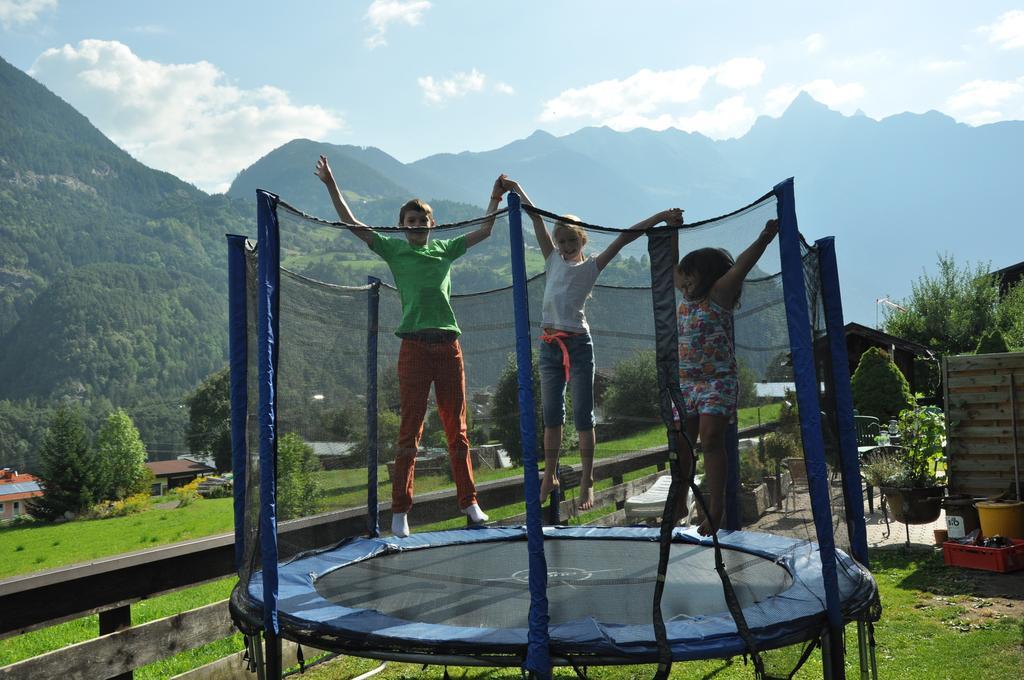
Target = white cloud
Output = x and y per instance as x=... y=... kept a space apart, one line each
x=984 y=117
x=730 y=118
x=382 y=13
x=1007 y=31
x=985 y=94
x=638 y=95
x=662 y=99
x=826 y=91
x=739 y=74
x=186 y=119
x=437 y=91
x=504 y=88
x=14 y=12
x=814 y=43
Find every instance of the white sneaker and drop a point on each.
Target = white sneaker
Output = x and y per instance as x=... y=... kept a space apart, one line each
x=400 y=524
x=475 y=514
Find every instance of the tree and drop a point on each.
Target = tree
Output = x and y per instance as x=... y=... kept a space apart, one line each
x=1010 y=317
x=298 y=487
x=506 y=410
x=879 y=388
x=632 y=401
x=948 y=312
x=388 y=423
x=120 y=458
x=68 y=470
x=747 y=382
x=209 y=419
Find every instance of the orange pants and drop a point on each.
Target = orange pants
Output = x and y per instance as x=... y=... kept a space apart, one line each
x=419 y=365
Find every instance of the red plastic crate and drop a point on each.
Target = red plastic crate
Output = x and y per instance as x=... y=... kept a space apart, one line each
x=1010 y=558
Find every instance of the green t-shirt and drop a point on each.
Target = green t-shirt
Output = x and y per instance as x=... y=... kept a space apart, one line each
x=423 y=278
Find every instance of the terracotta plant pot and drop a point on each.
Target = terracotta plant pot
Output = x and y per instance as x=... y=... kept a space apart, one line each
x=914 y=506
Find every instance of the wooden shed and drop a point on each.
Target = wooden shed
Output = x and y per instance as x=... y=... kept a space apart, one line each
x=983 y=395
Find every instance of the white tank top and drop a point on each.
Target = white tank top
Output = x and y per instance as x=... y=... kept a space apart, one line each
x=567 y=286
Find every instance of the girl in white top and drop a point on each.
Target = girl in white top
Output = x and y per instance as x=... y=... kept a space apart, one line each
x=567 y=353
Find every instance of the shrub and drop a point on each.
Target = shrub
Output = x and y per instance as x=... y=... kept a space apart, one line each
x=632 y=400
x=992 y=342
x=127 y=506
x=187 y=494
x=298 y=488
x=879 y=388
x=506 y=410
x=780 y=445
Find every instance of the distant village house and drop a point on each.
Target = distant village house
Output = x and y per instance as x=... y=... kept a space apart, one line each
x=15 y=489
x=170 y=474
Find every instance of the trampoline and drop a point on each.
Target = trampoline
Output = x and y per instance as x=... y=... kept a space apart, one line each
x=543 y=596
x=462 y=596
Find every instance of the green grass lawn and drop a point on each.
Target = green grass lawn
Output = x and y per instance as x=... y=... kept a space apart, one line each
x=37 y=546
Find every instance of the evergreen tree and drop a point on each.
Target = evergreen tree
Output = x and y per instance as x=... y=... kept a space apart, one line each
x=992 y=342
x=120 y=458
x=298 y=487
x=68 y=468
x=209 y=419
x=879 y=388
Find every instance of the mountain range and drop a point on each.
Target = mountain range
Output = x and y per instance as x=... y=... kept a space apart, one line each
x=112 y=281
x=895 y=193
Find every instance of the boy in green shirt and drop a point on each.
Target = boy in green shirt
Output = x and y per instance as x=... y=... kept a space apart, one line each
x=430 y=352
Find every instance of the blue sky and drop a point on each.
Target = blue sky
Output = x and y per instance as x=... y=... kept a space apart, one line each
x=204 y=89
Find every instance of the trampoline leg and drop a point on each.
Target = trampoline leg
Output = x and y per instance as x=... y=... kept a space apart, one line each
x=273 y=654
x=255 y=644
x=871 y=651
x=862 y=649
x=832 y=664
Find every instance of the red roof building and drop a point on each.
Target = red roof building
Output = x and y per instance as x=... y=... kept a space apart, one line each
x=15 y=489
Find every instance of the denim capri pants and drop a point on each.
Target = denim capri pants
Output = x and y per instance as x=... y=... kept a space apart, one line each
x=552 y=381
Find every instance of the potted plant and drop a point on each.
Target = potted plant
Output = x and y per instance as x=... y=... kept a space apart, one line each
x=778 y=446
x=906 y=473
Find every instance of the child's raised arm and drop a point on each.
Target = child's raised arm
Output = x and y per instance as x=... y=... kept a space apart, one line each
x=539 y=230
x=323 y=171
x=672 y=216
x=726 y=289
x=485 y=228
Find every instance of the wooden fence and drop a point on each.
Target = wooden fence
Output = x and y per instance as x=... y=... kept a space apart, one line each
x=110 y=585
x=983 y=395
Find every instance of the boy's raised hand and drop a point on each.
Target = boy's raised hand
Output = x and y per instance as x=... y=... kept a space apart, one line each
x=323 y=170
x=673 y=217
x=771 y=228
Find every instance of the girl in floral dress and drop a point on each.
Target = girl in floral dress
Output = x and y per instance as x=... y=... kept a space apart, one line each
x=711 y=283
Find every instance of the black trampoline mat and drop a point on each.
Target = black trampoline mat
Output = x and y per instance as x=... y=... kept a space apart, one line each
x=486 y=584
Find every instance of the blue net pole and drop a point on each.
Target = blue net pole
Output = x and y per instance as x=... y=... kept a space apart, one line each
x=269 y=275
x=372 y=323
x=538 y=658
x=239 y=362
x=801 y=345
x=850 y=460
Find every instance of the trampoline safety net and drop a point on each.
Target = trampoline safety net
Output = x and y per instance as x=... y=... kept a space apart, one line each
x=449 y=593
